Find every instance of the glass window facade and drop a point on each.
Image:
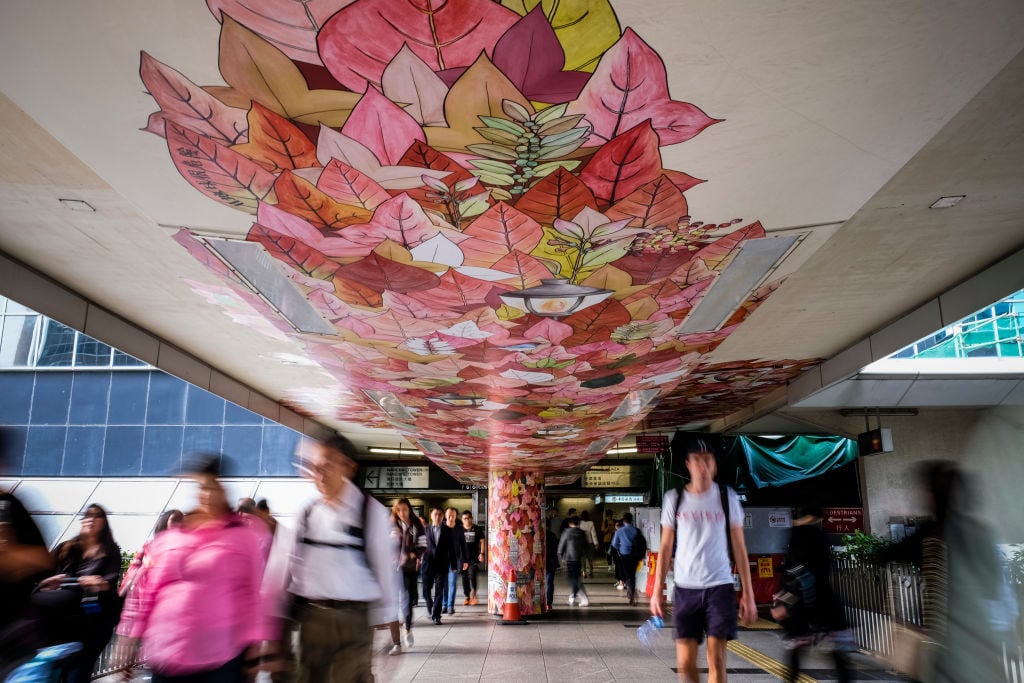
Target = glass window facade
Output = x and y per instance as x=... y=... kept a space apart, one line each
x=996 y=331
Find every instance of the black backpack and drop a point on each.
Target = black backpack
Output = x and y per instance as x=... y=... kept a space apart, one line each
x=639 y=545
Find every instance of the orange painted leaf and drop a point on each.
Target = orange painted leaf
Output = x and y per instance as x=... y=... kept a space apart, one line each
x=380 y=274
x=595 y=323
x=653 y=204
x=496 y=233
x=349 y=186
x=301 y=198
x=275 y=143
x=623 y=164
x=717 y=254
x=422 y=155
x=357 y=294
x=559 y=195
x=456 y=292
x=295 y=254
x=357 y=43
x=217 y=171
x=647 y=268
x=527 y=270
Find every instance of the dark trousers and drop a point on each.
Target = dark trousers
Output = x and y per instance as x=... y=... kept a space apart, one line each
x=409 y=578
x=440 y=581
x=229 y=672
x=469 y=579
x=335 y=644
x=573 y=569
x=840 y=658
x=549 y=578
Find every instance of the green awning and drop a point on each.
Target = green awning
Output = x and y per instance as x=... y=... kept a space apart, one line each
x=780 y=460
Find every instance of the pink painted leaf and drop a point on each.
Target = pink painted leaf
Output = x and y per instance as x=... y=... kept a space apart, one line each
x=717 y=254
x=629 y=87
x=530 y=55
x=295 y=254
x=382 y=274
x=551 y=330
x=527 y=270
x=623 y=164
x=217 y=171
x=201 y=253
x=358 y=42
x=653 y=204
x=399 y=219
x=457 y=292
x=497 y=232
x=346 y=185
x=285 y=223
x=189 y=106
x=331 y=144
x=390 y=326
x=291 y=26
x=382 y=126
x=684 y=181
x=414 y=308
x=409 y=80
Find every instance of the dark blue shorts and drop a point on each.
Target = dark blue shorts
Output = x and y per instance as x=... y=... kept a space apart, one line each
x=711 y=610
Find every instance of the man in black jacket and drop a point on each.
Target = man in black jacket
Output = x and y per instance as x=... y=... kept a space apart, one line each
x=439 y=561
x=572 y=548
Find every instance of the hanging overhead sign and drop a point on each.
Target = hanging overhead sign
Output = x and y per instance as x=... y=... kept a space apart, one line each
x=396 y=477
x=616 y=477
x=842 y=520
x=651 y=443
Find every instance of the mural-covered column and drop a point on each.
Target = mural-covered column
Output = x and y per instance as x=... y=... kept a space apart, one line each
x=515 y=537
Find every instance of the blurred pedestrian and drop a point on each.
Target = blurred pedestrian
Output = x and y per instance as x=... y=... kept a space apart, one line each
x=551 y=564
x=412 y=543
x=199 y=613
x=263 y=512
x=625 y=542
x=475 y=542
x=590 y=532
x=80 y=602
x=572 y=548
x=807 y=607
x=607 y=533
x=333 y=574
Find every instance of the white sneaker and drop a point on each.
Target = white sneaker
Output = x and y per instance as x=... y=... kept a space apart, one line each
x=396 y=649
x=407 y=639
x=572 y=600
x=584 y=601
x=620 y=586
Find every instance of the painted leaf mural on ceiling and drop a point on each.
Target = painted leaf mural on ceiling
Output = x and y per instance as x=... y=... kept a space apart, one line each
x=470 y=195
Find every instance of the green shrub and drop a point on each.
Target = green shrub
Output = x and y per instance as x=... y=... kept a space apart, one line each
x=864 y=547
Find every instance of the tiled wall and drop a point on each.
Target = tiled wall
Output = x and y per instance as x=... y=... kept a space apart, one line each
x=130 y=423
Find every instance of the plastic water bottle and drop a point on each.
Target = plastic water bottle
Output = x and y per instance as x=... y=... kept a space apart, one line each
x=650 y=635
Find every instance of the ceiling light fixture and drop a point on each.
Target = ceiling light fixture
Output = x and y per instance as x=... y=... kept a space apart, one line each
x=947 y=202
x=389 y=451
x=555 y=297
x=622 y=451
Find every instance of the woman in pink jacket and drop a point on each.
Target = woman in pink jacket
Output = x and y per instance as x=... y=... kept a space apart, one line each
x=199 y=608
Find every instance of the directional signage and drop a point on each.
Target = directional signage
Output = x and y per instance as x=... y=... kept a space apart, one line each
x=396 y=477
x=842 y=520
x=616 y=477
x=651 y=443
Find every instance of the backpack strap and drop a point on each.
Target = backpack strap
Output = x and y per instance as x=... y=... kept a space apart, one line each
x=723 y=493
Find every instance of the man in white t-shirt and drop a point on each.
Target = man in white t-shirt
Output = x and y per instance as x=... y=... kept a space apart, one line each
x=704 y=599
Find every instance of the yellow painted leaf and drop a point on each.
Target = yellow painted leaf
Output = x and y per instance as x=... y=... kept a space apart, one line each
x=505 y=312
x=610 y=277
x=256 y=70
x=563 y=260
x=642 y=309
x=393 y=251
x=478 y=92
x=585 y=28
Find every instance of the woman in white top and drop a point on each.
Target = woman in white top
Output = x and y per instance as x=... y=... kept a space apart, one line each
x=587 y=527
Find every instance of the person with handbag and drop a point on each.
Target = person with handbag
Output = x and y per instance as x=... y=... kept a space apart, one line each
x=80 y=602
x=412 y=543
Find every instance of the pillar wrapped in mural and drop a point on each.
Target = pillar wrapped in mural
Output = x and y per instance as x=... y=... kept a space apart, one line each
x=515 y=539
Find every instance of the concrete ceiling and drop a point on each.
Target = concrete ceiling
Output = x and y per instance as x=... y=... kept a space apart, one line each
x=843 y=122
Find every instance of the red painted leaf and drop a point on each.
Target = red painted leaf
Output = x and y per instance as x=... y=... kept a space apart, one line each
x=357 y=43
x=717 y=254
x=653 y=204
x=413 y=308
x=382 y=126
x=217 y=171
x=390 y=326
x=275 y=143
x=456 y=292
x=756 y=298
x=527 y=270
x=200 y=252
x=399 y=219
x=357 y=294
x=594 y=324
x=188 y=105
x=422 y=155
x=531 y=56
x=295 y=254
x=346 y=185
x=647 y=268
x=290 y=26
x=623 y=164
x=684 y=181
x=497 y=232
x=629 y=87
x=382 y=274
x=559 y=195
x=301 y=198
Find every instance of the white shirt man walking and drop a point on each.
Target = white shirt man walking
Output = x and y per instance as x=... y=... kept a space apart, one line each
x=704 y=597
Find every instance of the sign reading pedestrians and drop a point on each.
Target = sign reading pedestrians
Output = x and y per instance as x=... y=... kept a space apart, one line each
x=842 y=520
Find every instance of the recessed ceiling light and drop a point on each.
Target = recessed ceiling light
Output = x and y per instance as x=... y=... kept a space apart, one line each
x=77 y=205
x=947 y=202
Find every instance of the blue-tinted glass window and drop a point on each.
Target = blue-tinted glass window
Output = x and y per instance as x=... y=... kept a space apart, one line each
x=128 y=394
x=203 y=408
x=122 y=455
x=166 y=400
x=58 y=345
x=242 y=444
x=89 y=394
x=16 y=340
x=44 y=450
x=52 y=398
x=122 y=359
x=161 y=451
x=206 y=439
x=83 y=452
x=237 y=415
x=278 y=451
x=16 y=397
x=92 y=353
x=14 y=449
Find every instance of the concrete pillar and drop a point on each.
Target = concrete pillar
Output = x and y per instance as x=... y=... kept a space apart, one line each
x=515 y=539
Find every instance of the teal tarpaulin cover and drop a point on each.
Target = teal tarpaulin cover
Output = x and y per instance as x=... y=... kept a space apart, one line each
x=779 y=460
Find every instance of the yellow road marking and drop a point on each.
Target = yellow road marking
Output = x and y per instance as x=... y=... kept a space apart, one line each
x=765 y=662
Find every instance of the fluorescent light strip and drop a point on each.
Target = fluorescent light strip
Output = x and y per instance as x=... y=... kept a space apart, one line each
x=621 y=451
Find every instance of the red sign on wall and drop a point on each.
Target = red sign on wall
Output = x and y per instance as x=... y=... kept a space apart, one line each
x=842 y=520
x=652 y=443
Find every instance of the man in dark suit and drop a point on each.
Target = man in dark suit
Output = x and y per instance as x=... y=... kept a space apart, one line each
x=438 y=561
